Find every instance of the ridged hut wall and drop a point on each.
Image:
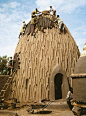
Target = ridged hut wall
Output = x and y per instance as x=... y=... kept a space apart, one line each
x=39 y=54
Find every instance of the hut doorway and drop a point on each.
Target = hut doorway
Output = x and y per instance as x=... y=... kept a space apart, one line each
x=58 y=86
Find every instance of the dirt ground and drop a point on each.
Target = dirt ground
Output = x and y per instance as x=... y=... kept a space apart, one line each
x=47 y=112
x=21 y=110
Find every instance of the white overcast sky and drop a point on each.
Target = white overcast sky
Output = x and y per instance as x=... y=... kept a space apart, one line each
x=13 y=12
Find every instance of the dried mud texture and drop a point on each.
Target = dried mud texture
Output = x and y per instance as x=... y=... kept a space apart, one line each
x=39 y=54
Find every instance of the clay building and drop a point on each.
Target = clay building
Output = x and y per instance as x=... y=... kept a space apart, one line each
x=3 y=81
x=46 y=61
x=79 y=78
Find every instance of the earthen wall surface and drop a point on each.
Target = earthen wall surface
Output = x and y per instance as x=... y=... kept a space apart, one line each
x=3 y=80
x=79 y=91
x=39 y=54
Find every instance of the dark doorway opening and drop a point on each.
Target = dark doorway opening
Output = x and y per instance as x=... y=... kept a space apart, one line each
x=57 y=85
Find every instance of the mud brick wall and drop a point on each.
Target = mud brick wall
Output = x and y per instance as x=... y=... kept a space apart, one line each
x=3 y=80
x=79 y=80
x=39 y=55
x=79 y=89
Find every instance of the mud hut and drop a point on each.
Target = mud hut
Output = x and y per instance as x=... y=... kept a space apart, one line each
x=79 y=78
x=46 y=61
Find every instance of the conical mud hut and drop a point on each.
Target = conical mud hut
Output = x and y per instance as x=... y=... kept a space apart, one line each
x=47 y=59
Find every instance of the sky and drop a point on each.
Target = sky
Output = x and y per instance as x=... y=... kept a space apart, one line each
x=13 y=12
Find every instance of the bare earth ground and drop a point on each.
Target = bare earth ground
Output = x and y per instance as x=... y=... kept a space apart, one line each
x=57 y=112
x=21 y=110
x=53 y=113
